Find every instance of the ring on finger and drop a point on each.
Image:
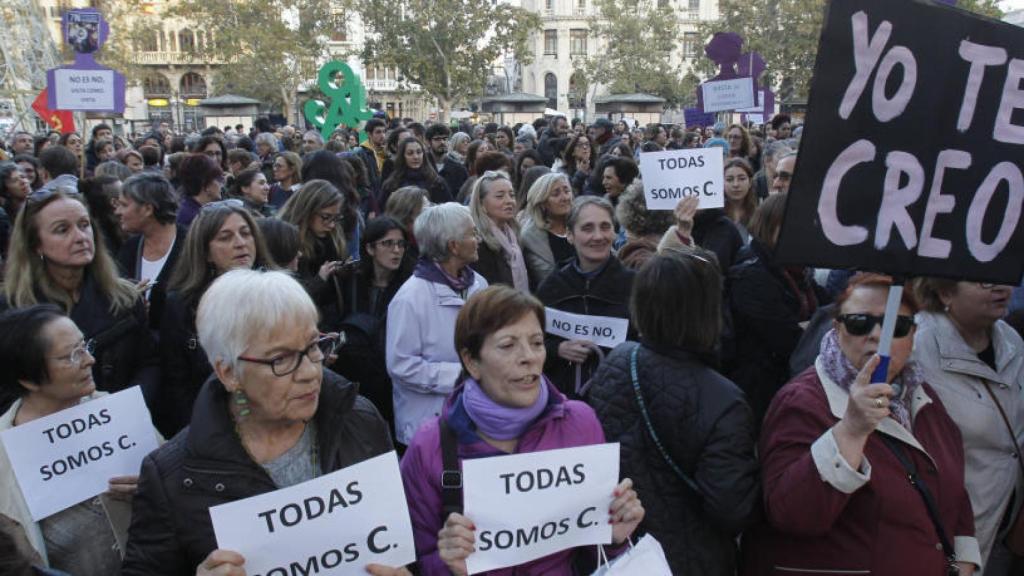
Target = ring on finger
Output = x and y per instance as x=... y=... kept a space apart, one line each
x=879 y=403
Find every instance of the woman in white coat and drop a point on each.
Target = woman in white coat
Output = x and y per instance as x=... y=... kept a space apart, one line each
x=420 y=352
x=975 y=361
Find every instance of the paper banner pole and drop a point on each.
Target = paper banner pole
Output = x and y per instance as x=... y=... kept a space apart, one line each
x=892 y=310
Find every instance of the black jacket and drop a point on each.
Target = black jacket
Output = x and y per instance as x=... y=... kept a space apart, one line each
x=373 y=177
x=454 y=174
x=566 y=289
x=129 y=260
x=326 y=294
x=704 y=423
x=437 y=189
x=205 y=465
x=183 y=364
x=714 y=231
x=492 y=265
x=766 y=321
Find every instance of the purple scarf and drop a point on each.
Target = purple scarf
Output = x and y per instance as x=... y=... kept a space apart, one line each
x=432 y=271
x=497 y=421
x=843 y=373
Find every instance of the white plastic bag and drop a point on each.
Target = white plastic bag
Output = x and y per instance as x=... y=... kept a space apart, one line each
x=646 y=558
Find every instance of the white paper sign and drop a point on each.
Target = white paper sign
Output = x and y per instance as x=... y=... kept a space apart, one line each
x=604 y=331
x=84 y=89
x=755 y=118
x=724 y=95
x=757 y=108
x=671 y=175
x=330 y=526
x=68 y=457
x=527 y=506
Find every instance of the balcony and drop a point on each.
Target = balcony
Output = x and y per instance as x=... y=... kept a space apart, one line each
x=169 y=59
x=382 y=85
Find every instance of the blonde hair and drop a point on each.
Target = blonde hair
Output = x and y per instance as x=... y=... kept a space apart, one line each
x=538 y=196
x=305 y=204
x=26 y=277
x=476 y=207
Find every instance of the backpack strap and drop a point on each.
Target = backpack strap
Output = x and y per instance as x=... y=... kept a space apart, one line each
x=451 y=472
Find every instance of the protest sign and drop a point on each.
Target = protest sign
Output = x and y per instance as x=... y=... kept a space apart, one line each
x=527 y=506
x=909 y=162
x=68 y=457
x=671 y=175
x=333 y=525
x=86 y=85
x=694 y=117
x=725 y=95
x=601 y=330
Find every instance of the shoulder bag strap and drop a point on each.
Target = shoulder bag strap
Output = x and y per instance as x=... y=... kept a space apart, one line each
x=1006 y=421
x=650 y=426
x=926 y=495
x=451 y=473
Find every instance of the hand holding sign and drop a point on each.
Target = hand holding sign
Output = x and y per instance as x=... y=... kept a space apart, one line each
x=455 y=542
x=685 y=213
x=222 y=563
x=672 y=175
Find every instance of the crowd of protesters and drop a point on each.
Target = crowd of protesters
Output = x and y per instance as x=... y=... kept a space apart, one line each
x=290 y=306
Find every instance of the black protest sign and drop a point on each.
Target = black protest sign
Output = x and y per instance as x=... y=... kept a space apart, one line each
x=910 y=157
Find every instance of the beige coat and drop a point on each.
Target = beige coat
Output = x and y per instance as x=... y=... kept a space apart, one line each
x=958 y=376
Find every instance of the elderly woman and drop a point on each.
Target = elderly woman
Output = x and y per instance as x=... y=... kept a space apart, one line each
x=837 y=452
x=593 y=283
x=975 y=362
x=502 y=405
x=201 y=183
x=56 y=256
x=223 y=238
x=544 y=236
x=147 y=210
x=48 y=368
x=493 y=206
x=421 y=359
x=667 y=388
x=270 y=417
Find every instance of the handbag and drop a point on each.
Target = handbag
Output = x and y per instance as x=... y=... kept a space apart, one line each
x=646 y=558
x=1015 y=536
x=650 y=426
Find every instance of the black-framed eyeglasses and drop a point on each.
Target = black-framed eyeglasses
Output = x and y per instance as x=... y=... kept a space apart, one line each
x=288 y=362
x=783 y=176
x=862 y=324
x=390 y=244
x=328 y=218
x=77 y=355
x=226 y=203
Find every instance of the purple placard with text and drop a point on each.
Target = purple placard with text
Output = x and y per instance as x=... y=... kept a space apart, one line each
x=86 y=85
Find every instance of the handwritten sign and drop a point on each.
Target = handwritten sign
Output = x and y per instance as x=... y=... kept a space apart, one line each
x=724 y=95
x=330 y=526
x=671 y=175
x=910 y=160
x=68 y=457
x=527 y=506
x=604 y=331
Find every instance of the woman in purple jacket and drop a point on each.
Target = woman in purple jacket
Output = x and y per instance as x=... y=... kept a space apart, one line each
x=504 y=405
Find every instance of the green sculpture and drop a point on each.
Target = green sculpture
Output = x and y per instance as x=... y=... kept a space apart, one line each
x=348 y=100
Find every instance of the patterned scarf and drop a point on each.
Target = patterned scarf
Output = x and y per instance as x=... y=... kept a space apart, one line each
x=432 y=271
x=843 y=373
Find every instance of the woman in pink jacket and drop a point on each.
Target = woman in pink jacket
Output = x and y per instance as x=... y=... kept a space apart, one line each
x=503 y=406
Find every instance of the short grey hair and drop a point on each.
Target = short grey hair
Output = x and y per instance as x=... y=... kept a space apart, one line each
x=581 y=202
x=775 y=150
x=226 y=324
x=315 y=134
x=266 y=138
x=115 y=169
x=438 y=225
x=527 y=140
x=153 y=189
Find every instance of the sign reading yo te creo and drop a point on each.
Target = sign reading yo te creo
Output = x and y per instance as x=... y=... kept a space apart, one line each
x=910 y=156
x=85 y=85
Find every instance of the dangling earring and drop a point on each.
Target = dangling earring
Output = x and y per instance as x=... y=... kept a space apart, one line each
x=242 y=401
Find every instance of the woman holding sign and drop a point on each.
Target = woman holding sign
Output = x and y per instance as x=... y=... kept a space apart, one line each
x=48 y=368
x=270 y=417
x=594 y=283
x=863 y=478
x=503 y=405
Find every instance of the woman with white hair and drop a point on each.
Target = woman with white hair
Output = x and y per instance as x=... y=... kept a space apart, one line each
x=544 y=233
x=492 y=203
x=269 y=417
x=421 y=356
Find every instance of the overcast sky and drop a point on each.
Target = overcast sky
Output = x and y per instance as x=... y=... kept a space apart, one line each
x=1008 y=5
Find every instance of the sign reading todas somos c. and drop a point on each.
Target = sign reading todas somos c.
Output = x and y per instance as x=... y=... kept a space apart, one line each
x=910 y=161
x=671 y=175
x=68 y=457
x=526 y=506
x=333 y=525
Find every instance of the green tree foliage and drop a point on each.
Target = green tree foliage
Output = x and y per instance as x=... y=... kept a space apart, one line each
x=786 y=33
x=446 y=47
x=638 y=38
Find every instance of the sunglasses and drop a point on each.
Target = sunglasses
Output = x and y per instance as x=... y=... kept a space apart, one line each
x=863 y=324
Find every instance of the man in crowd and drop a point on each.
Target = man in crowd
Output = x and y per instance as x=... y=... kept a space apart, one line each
x=311 y=142
x=784 y=173
x=454 y=173
x=553 y=140
x=58 y=167
x=603 y=134
x=373 y=154
x=22 y=143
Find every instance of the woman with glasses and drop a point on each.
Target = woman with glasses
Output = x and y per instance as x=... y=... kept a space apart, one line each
x=384 y=265
x=201 y=183
x=213 y=147
x=412 y=168
x=269 y=417
x=862 y=477
x=287 y=178
x=405 y=205
x=769 y=302
x=317 y=211
x=224 y=237
x=975 y=362
x=579 y=156
x=701 y=486
x=492 y=203
x=324 y=165
x=420 y=353
x=48 y=368
x=57 y=257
